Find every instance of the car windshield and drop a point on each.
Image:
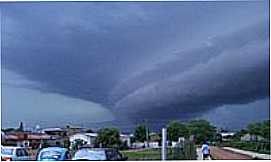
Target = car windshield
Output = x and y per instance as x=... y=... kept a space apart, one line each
x=89 y=154
x=53 y=155
x=7 y=151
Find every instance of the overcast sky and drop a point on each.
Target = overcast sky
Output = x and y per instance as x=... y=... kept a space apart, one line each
x=91 y=62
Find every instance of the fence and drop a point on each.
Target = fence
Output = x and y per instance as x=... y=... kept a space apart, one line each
x=184 y=151
x=256 y=146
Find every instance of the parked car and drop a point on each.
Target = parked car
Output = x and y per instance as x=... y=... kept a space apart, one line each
x=10 y=153
x=98 y=154
x=53 y=154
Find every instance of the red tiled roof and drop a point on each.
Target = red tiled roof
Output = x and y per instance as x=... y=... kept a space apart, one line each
x=11 y=137
x=37 y=137
x=32 y=136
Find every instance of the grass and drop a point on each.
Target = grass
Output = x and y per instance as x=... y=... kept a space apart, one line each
x=260 y=147
x=155 y=154
x=147 y=154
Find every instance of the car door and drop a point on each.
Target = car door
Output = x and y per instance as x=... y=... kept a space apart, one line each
x=112 y=155
x=67 y=156
x=26 y=155
x=18 y=155
x=109 y=155
x=22 y=154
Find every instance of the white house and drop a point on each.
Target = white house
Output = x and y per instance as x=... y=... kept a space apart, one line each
x=126 y=138
x=138 y=145
x=226 y=136
x=249 y=137
x=88 y=138
x=154 y=144
x=3 y=136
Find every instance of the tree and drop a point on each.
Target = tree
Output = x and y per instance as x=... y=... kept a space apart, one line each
x=176 y=130
x=201 y=130
x=155 y=137
x=266 y=130
x=89 y=131
x=240 y=133
x=77 y=143
x=254 y=128
x=108 y=137
x=8 y=129
x=260 y=129
x=21 y=127
x=123 y=145
x=140 y=133
x=66 y=142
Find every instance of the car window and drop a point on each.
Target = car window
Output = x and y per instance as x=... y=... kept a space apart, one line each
x=109 y=154
x=19 y=152
x=89 y=154
x=112 y=155
x=52 y=155
x=7 y=151
x=25 y=153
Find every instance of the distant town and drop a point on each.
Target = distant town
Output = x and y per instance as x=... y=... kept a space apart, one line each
x=145 y=144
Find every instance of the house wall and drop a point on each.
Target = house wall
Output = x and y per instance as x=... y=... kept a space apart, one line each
x=126 y=139
x=88 y=139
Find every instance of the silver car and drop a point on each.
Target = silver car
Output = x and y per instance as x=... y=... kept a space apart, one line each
x=11 y=153
x=98 y=154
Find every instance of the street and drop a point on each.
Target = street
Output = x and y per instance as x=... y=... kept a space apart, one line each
x=222 y=154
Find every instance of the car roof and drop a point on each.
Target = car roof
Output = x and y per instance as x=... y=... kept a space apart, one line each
x=61 y=149
x=14 y=147
x=96 y=149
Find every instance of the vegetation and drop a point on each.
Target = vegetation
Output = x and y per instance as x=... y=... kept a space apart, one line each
x=154 y=154
x=260 y=129
x=176 y=129
x=140 y=133
x=201 y=130
x=66 y=142
x=89 y=131
x=8 y=129
x=157 y=137
x=21 y=127
x=108 y=137
x=146 y=154
x=188 y=152
x=261 y=145
x=77 y=143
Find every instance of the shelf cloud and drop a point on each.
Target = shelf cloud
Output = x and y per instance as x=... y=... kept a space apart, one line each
x=140 y=60
x=236 y=72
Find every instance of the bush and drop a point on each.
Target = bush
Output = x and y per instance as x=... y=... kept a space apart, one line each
x=260 y=147
x=108 y=137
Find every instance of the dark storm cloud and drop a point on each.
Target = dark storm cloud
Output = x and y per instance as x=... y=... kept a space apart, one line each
x=149 y=59
x=185 y=60
x=234 y=71
x=73 y=52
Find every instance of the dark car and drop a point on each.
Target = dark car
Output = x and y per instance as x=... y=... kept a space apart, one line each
x=98 y=154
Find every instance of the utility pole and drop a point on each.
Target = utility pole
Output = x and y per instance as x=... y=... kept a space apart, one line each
x=147 y=132
x=164 y=144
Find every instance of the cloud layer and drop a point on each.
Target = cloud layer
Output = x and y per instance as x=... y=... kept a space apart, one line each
x=141 y=60
x=237 y=72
